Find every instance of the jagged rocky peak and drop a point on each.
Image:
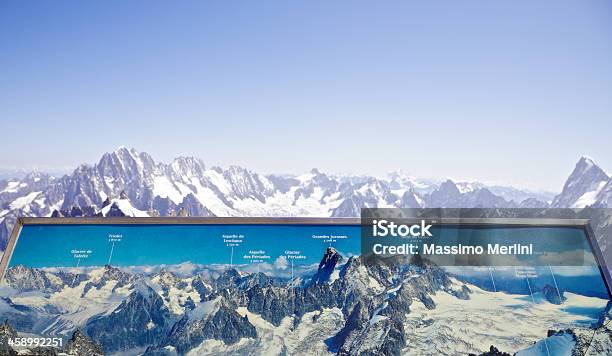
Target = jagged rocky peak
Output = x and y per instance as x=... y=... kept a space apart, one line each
x=449 y=187
x=191 y=206
x=327 y=265
x=213 y=319
x=323 y=180
x=124 y=160
x=115 y=274
x=24 y=278
x=124 y=169
x=447 y=195
x=493 y=351
x=82 y=168
x=37 y=178
x=583 y=185
x=167 y=278
x=131 y=154
x=331 y=256
x=586 y=164
x=143 y=293
x=246 y=184
x=7 y=332
x=350 y=207
x=19 y=269
x=409 y=200
x=143 y=317
x=229 y=278
x=189 y=167
x=553 y=295
x=81 y=345
x=256 y=279
x=399 y=179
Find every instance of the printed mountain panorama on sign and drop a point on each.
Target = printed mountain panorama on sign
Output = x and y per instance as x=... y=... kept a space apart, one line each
x=342 y=306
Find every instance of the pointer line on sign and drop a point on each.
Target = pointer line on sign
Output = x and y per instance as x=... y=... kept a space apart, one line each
x=110 y=256
x=557 y=287
x=533 y=300
x=75 y=276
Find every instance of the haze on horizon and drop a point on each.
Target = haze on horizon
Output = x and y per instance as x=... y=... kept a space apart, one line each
x=491 y=91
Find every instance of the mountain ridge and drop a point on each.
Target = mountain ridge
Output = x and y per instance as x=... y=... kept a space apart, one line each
x=127 y=182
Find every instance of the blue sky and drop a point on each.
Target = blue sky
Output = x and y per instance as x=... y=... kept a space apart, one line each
x=500 y=91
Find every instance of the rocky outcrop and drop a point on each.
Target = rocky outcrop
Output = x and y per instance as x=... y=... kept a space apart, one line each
x=493 y=351
x=143 y=319
x=111 y=274
x=211 y=320
x=26 y=279
x=81 y=345
x=552 y=295
x=7 y=333
x=331 y=258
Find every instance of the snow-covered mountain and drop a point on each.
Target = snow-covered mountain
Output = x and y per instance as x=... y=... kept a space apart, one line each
x=587 y=185
x=132 y=183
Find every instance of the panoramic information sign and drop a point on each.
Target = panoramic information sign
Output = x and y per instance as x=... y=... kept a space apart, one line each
x=295 y=287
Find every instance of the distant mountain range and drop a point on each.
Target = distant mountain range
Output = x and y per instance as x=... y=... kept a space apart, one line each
x=131 y=183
